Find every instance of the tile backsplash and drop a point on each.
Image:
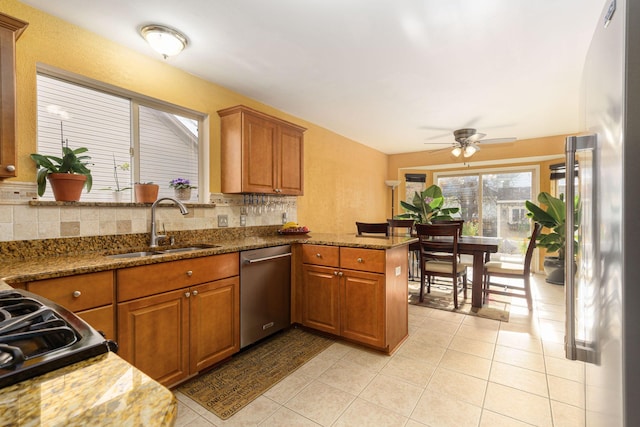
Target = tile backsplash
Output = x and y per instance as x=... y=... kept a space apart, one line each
x=22 y=217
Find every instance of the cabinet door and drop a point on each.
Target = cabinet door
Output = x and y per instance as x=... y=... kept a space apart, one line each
x=290 y=162
x=153 y=335
x=321 y=299
x=363 y=307
x=258 y=161
x=214 y=322
x=10 y=30
x=102 y=319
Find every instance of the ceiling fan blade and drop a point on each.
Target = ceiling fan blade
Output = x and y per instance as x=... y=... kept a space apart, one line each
x=497 y=140
x=440 y=150
x=475 y=137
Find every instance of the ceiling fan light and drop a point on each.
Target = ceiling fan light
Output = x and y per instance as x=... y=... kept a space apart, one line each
x=456 y=151
x=164 y=40
x=470 y=150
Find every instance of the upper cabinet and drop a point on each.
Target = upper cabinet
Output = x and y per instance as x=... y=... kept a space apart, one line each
x=260 y=153
x=10 y=30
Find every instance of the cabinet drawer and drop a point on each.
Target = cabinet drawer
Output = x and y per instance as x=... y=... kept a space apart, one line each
x=372 y=260
x=79 y=292
x=321 y=255
x=145 y=280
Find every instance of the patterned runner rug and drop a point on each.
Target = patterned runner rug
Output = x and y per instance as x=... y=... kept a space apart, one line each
x=441 y=299
x=229 y=387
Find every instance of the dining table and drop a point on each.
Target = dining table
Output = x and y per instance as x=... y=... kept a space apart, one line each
x=478 y=247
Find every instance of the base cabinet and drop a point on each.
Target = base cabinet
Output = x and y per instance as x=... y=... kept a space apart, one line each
x=321 y=299
x=90 y=296
x=356 y=293
x=174 y=334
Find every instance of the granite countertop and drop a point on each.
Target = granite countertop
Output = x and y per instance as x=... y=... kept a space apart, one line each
x=104 y=390
x=15 y=271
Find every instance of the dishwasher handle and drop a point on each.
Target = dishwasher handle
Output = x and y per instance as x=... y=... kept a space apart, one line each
x=268 y=258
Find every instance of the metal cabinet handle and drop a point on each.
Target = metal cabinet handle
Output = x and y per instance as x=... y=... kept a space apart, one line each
x=340 y=274
x=318 y=256
x=335 y=273
x=10 y=168
x=187 y=294
x=360 y=260
x=194 y=293
x=189 y=273
x=76 y=294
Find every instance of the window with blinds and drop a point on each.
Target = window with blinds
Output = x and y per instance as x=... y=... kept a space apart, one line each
x=157 y=147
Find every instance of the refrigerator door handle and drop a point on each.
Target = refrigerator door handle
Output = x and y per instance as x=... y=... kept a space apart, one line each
x=575 y=348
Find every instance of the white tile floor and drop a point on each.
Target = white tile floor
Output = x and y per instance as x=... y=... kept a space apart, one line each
x=453 y=370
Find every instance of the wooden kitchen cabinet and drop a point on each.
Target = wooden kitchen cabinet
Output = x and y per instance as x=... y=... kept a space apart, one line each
x=90 y=296
x=358 y=294
x=10 y=29
x=260 y=153
x=171 y=326
x=321 y=298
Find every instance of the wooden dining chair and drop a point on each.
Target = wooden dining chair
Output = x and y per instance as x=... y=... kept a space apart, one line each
x=512 y=271
x=450 y=221
x=372 y=228
x=439 y=257
x=405 y=227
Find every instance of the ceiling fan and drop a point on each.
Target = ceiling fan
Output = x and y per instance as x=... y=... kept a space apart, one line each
x=467 y=141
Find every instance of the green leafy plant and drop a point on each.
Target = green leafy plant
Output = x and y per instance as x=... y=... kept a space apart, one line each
x=427 y=206
x=553 y=217
x=70 y=162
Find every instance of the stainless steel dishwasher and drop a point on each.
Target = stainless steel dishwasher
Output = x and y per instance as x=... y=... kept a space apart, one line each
x=265 y=292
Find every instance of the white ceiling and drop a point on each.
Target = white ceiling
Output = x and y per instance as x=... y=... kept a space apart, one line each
x=391 y=74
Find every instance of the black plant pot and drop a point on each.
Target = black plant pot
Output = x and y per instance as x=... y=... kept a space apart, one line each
x=554 y=268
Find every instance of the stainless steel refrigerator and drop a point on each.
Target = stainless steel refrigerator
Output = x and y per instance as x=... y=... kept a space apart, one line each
x=602 y=288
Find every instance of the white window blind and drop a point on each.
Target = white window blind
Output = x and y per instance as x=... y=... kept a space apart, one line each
x=98 y=121
x=163 y=145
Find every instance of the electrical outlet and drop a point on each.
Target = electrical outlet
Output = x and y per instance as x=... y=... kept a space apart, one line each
x=223 y=220
x=284 y=217
x=243 y=220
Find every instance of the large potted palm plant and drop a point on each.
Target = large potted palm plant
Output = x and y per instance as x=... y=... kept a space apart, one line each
x=427 y=206
x=553 y=218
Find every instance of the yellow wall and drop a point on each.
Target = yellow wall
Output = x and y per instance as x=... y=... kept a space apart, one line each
x=344 y=180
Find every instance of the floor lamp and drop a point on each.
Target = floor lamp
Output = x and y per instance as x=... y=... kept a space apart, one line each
x=393 y=184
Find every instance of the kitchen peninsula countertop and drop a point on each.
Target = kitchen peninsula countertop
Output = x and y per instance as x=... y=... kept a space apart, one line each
x=104 y=390
x=20 y=270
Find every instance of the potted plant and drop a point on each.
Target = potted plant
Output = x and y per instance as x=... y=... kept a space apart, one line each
x=182 y=188
x=427 y=206
x=67 y=174
x=553 y=217
x=116 y=191
x=146 y=192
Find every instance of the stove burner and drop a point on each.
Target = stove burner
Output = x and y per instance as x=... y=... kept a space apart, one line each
x=37 y=335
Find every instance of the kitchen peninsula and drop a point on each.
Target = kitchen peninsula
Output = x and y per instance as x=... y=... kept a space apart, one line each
x=358 y=264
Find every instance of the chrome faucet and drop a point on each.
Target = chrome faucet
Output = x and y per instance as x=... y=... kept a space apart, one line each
x=155 y=237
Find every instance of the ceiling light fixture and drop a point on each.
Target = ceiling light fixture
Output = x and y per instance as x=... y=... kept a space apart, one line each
x=470 y=150
x=164 y=40
x=456 y=151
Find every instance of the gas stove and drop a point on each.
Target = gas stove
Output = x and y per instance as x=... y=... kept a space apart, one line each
x=38 y=336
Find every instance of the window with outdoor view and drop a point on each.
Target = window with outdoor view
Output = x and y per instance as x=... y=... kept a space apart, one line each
x=128 y=138
x=492 y=205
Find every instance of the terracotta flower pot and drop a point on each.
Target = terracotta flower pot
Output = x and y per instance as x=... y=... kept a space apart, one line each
x=67 y=187
x=146 y=193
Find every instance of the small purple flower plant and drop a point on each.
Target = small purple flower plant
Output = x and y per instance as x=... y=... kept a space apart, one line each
x=179 y=183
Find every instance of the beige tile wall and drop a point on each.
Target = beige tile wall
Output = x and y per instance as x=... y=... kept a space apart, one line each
x=20 y=220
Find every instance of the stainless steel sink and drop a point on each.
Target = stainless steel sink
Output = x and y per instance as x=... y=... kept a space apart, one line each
x=135 y=254
x=188 y=249
x=163 y=251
